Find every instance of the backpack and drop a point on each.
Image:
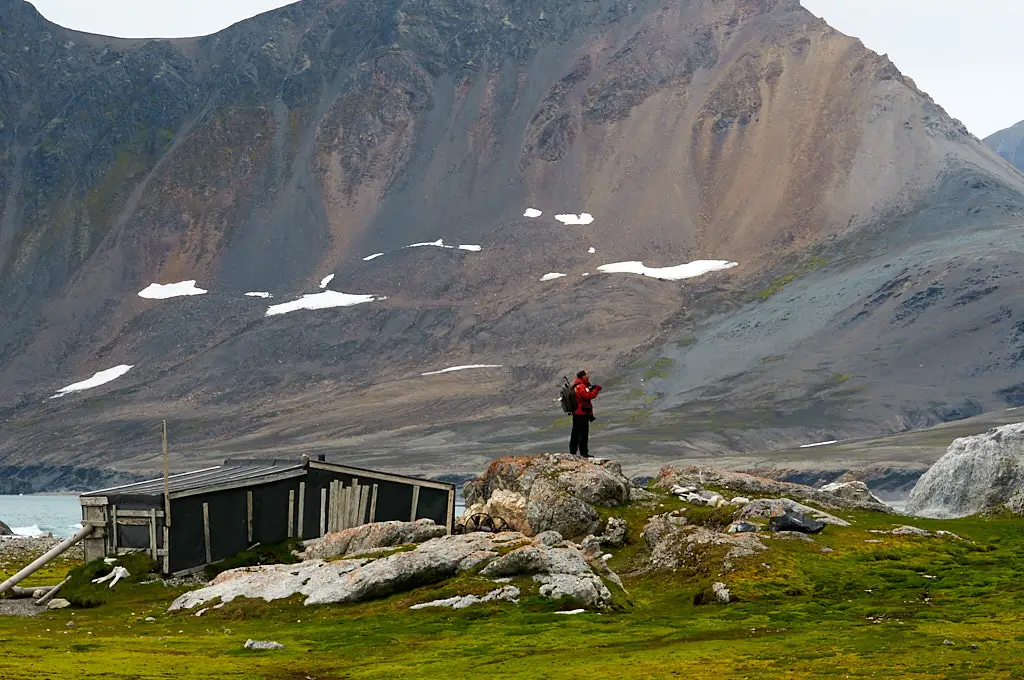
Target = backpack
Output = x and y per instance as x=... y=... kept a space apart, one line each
x=567 y=397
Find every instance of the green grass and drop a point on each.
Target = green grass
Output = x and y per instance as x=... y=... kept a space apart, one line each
x=662 y=368
x=802 y=269
x=864 y=610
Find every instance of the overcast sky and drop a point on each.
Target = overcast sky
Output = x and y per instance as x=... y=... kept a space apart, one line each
x=968 y=54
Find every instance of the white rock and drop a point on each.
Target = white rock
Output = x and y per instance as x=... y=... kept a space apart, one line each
x=721 y=591
x=739 y=500
x=910 y=531
x=58 y=603
x=508 y=594
x=571 y=612
x=262 y=644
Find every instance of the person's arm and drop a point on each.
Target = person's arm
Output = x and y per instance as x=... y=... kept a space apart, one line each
x=593 y=392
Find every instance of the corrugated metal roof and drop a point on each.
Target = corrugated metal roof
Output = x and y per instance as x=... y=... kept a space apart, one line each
x=232 y=472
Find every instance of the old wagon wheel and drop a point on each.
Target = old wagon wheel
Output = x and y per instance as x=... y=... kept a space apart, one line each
x=483 y=522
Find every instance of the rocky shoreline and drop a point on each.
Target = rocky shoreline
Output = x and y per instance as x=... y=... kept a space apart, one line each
x=19 y=550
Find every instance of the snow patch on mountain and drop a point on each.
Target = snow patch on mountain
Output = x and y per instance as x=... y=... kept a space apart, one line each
x=677 y=273
x=325 y=300
x=571 y=219
x=164 y=291
x=469 y=367
x=100 y=378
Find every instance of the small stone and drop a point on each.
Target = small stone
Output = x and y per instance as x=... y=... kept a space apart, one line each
x=975 y=647
x=721 y=592
x=69 y=624
x=150 y=619
x=263 y=644
x=948 y=642
x=911 y=531
x=826 y=549
x=740 y=500
x=58 y=604
x=873 y=540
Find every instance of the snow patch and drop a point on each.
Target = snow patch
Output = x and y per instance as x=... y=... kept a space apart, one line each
x=811 y=446
x=101 y=378
x=683 y=271
x=326 y=280
x=581 y=219
x=325 y=300
x=439 y=243
x=372 y=257
x=552 y=276
x=259 y=295
x=571 y=612
x=462 y=368
x=161 y=291
x=592 y=250
x=532 y=212
x=472 y=248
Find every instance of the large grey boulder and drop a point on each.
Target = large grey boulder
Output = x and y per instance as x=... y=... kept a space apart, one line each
x=854 y=491
x=5 y=530
x=552 y=492
x=372 y=536
x=976 y=474
x=766 y=508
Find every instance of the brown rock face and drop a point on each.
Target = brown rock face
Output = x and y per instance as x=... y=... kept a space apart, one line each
x=301 y=142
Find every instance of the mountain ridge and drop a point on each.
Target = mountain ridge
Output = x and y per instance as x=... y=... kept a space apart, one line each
x=296 y=144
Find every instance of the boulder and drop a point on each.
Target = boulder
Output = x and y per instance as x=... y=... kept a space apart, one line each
x=614 y=532
x=5 y=530
x=552 y=492
x=371 y=537
x=675 y=545
x=587 y=589
x=854 y=491
x=58 y=603
x=976 y=474
x=911 y=531
x=538 y=559
x=721 y=592
x=794 y=521
x=263 y=644
x=748 y=485
x=765 y=508
x=741 y=528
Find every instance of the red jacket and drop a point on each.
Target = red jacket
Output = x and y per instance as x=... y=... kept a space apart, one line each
x=583 y=396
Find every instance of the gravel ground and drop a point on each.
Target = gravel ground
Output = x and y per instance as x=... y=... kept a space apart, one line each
x=19 y=608
x=17 y=550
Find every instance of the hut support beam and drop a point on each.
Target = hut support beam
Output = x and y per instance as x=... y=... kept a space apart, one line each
x=373 y=504
x=206 y=532
x=323 y=511
x=302 y=509
x=291 y=513
x=45 y=558
x=415 y=503
x=248 y=515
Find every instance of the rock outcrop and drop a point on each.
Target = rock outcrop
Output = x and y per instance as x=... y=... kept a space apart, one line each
x=558 y=567
x=552 y=492
x=976 y=474
x=749 y=485
x=373 y=536
x=852 y=491
x=5 y=530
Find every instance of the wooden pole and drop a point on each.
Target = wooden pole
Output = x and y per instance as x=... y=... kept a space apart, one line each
x=167 y=492
x=323 y=511
x=45 y=558
x=415 y=503
x=373 y=504
x=45 y=599
x=206 y=532
x=302 y=509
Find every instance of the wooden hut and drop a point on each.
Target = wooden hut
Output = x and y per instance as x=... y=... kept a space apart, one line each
x=214 y=513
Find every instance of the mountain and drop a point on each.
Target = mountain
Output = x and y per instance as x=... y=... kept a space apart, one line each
x=1009 y=144
x=877 y=242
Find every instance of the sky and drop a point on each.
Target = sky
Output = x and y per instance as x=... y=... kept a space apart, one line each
x=967 y=54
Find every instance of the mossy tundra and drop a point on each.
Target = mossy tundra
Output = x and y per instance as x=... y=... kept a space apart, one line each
x=899 y=606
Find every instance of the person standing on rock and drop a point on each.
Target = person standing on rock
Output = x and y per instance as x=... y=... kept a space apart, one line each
x=583 y=415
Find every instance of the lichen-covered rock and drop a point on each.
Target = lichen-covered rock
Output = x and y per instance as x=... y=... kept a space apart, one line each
x=659 y=526
x=687 y=546
x=748 y=485
x=721 y=592
x=854 y=491
x=976 y=474
x=534 y=559
x=587 y=589
x=552 y=492
x=766 y=508
x=614 y=532
x=551 y=539
x=506 y=593
x=352 y=580
x=372 y=536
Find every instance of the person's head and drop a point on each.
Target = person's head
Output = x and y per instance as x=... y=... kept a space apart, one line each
x=582 y=375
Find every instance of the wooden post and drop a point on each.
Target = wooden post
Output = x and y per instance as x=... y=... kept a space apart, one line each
x=450 y=513
x=206 y=532
x=248 y=515
x=113 y=529
x=332 y=508
x=302 y=508
x=167 y=547
x=323 y=511
x=52 y=593
x=415 y=503
x=373 y=504
x=167 y=492
x=291 y=513
x=152 y=533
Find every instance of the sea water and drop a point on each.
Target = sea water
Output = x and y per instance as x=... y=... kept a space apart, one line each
x=39 y=515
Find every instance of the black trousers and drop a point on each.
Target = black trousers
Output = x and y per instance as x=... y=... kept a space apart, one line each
x=580 y=435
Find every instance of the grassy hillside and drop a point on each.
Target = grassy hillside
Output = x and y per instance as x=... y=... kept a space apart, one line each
x=864 y=610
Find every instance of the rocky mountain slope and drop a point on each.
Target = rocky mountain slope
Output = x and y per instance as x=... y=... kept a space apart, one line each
x=1009 y=144
x=876 y=240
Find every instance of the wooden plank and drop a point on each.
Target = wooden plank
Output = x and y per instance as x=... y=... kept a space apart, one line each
x=302 y=508
x=132 y=521
x=206 y=532
x=364 y=499
x=381 y=476
x=323 y=511
x=373 y=504
x=332 y=501
x=113 y=529
x=145 y=514
x=248 y=515
x=92 y=501
x=415 y=503
x=291 y=513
